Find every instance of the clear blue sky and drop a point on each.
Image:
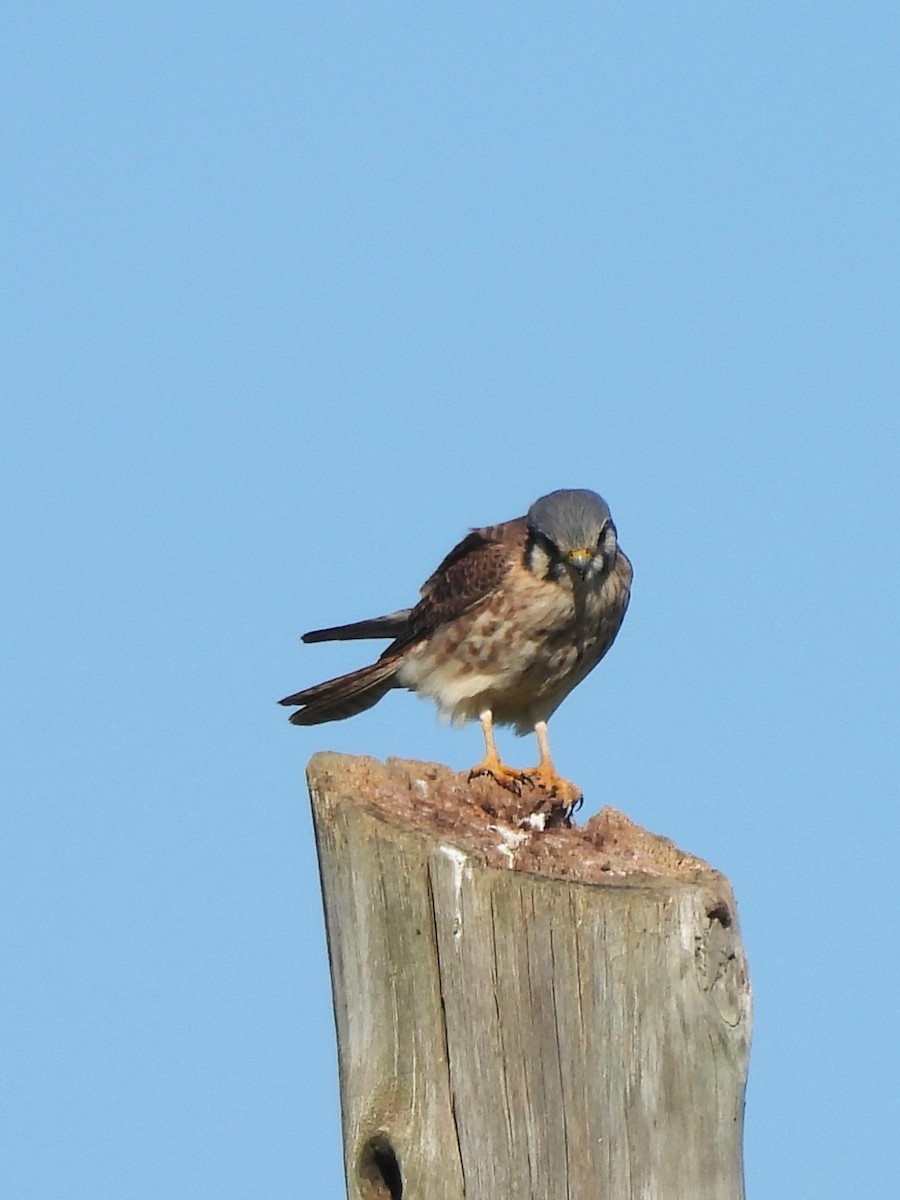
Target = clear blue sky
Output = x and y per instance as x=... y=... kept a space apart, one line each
x=296 y=293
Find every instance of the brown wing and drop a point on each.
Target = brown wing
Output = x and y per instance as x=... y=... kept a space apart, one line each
x=470 y=573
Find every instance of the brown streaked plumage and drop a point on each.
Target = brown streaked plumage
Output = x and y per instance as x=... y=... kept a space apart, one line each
x=514 y=617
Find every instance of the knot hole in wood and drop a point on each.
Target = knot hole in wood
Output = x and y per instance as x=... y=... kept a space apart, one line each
x=378 y=1171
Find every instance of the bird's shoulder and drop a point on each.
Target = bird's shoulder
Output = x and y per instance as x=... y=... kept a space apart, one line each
x=472 y=571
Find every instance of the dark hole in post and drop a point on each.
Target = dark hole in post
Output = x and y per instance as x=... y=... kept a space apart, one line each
x=379 y=1171
x=721 y=914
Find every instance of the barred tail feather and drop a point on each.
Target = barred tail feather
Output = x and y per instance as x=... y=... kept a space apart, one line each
x=337 y=699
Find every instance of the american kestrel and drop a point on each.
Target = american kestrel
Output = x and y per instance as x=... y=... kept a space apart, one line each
x=514 y=617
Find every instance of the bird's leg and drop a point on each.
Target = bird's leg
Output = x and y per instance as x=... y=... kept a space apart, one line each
x=545 y=774
x=492 y=764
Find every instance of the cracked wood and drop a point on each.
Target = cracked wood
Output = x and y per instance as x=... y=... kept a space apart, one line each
x=508 y=1032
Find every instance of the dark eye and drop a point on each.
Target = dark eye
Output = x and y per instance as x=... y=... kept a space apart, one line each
x=549 y=547
x=540 y=541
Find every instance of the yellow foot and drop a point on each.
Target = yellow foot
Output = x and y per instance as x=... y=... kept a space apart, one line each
x=543 y=777
x=509 y=777
x=546 y=778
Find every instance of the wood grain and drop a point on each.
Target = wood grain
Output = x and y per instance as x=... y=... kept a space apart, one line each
x=525 y=1013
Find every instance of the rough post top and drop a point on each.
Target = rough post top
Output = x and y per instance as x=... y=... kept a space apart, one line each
x=489 y=823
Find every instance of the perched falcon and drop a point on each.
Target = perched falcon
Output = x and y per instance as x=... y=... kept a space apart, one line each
x=514 y=617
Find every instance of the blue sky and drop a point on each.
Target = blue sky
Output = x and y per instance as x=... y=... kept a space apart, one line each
x=295 y=295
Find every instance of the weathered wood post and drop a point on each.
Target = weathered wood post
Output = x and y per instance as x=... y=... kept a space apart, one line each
x=525 y=1014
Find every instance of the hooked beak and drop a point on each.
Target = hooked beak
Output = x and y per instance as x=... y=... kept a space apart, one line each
x=580 y=560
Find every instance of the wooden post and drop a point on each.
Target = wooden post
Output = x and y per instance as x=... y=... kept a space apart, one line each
x=525 y=1013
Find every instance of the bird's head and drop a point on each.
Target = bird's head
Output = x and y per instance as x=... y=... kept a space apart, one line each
x=572 y=533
